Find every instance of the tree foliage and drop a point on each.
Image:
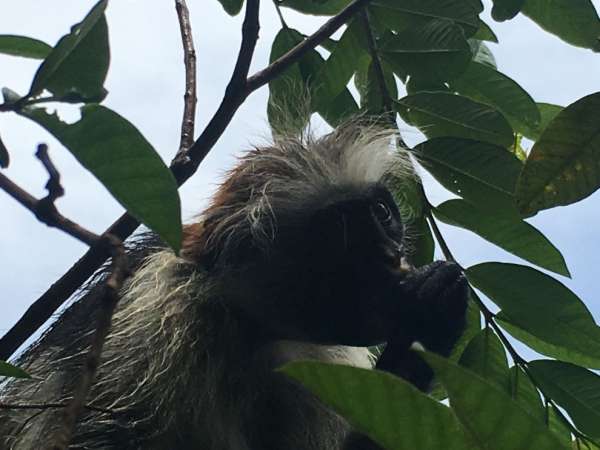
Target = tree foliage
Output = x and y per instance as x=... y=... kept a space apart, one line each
x=426 y=62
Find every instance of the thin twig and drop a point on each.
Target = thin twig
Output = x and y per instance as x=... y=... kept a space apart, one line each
x=23 y=102
x=189 y=60
x=44 y=209
x=55 y=189
x=119 y=272
x=183 y=168
x=279 y=13
x=55 y=405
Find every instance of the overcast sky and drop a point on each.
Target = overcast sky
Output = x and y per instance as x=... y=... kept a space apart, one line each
x=145 y=84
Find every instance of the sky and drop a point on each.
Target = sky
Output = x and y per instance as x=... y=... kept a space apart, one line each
x=146 y=83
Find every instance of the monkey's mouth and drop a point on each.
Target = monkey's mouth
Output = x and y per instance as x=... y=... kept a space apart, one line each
x=393 y=259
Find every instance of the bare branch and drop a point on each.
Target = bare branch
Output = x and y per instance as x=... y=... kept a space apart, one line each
x=41 y=310
x=44 y=209
x=119 y=272
x=183 y=166
x=55 y=189
x=270 y=72
x=236 y=92
x=189 y=60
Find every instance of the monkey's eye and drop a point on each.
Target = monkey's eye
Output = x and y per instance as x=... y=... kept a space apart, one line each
x=382 y=212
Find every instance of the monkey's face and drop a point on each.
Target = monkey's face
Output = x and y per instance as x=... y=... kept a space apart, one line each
x=358 y=232
x=337 y=257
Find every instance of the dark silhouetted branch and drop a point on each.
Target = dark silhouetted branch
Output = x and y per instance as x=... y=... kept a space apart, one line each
x=273 y=70
x=189 y=60
x=44 y=208
x=110 y=298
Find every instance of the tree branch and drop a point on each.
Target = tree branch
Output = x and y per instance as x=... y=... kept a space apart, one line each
x=189 y=60
x=119 y=272
x=262 y=77
x=44 y=209
x=46 y=212
x=183 y=166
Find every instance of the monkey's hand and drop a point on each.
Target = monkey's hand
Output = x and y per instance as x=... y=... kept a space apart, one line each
x=432 y=308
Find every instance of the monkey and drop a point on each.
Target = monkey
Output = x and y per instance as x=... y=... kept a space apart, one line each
x=302 y=253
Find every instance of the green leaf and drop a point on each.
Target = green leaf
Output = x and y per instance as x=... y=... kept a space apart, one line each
x=561 y=427
x=506 y=9
x=23 y=46
x=485 y=33
x=287 y=109
x=391 y=411
x=437 y=51
x=524 y=392
x=494 y=420
x=316 y=7
x=472 y=329
x=418 y=12
x=340 y=109
x=416 y=86
x=369 y=88
x=482 y=53
x=301 y=90
x=8 y=370
x=422 y=243
x=335 y=73
x=481 y=173
x=507 y=231
x=574 y=388
x=4 y=156
x=116 y=153
x=439 y=114
x=562 y=167
x=10 y=96
x=232 y=7
x=548 y=112
x=77 y=66
x=485 y=84
x=540 y=311
x=485 y=356
x=335 y=107
x=574 y=21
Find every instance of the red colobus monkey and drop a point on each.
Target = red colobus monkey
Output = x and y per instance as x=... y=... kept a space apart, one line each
x=299 y=256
